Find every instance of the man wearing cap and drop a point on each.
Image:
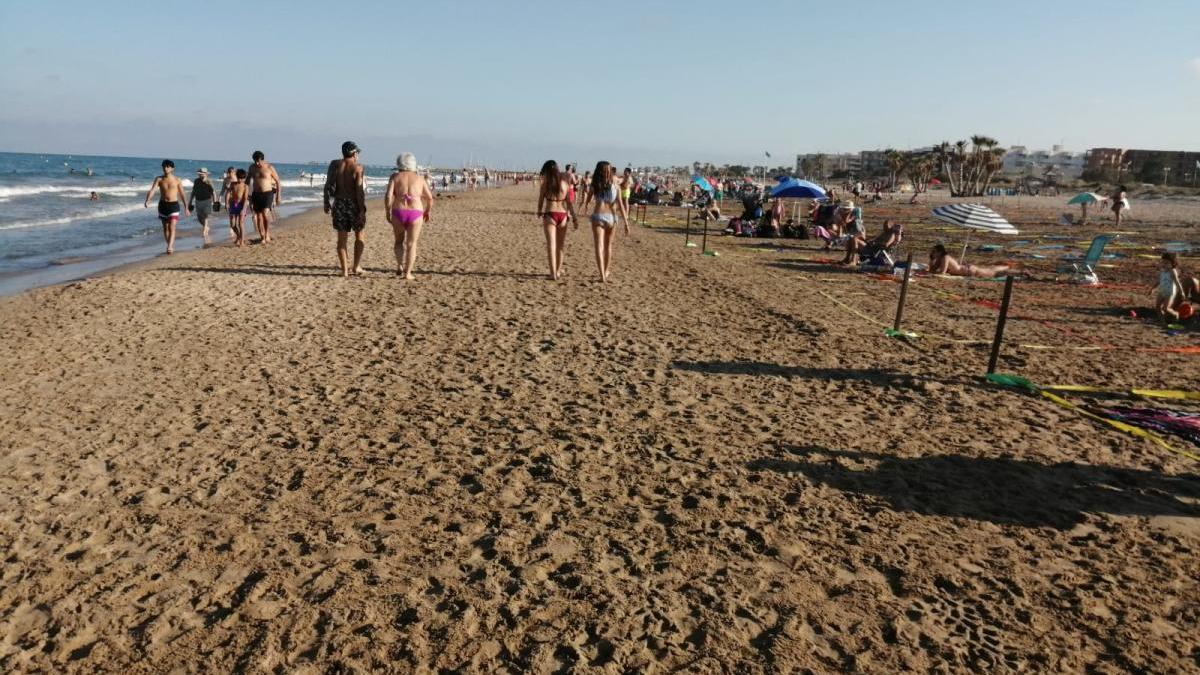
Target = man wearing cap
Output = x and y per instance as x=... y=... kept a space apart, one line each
x=265 y=193
x=344 y=186
x=200 y=201
x=170 y=193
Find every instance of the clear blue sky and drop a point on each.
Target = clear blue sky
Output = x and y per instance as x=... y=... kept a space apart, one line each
x=647 y=82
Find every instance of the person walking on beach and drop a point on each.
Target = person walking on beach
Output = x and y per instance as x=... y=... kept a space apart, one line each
x=626 y=188
x=554 y=208
x=1120 y=204
x=264 y=194
x=200 y=201
x=408 y=204
x=604 y=215
x=227 y=180
x=344 y=185
x=235 y=204
x=170 y=196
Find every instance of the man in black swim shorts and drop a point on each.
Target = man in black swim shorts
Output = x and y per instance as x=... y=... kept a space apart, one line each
x=170 y=196
x=265 y=193
x=344 y=185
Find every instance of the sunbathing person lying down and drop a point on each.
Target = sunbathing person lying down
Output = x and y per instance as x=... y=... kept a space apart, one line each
x=941 y=262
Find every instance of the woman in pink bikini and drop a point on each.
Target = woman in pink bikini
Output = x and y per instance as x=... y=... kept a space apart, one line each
x=408 y=203
x=554 y=207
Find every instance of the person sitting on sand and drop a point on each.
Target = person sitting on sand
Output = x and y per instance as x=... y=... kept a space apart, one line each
x=604 y=215
x=857 y=247
x=170 y=200
x=941 y=262
x=235 y=205
x=1169 y=292
x=345 y=185
x=408 y=204
x=553 y=209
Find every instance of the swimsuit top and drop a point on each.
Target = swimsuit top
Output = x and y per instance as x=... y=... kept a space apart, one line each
x=608 y=196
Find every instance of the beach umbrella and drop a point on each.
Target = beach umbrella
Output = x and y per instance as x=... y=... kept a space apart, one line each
x=973 y=217
x=795 y=188
x=702 y=182
x=1083 y=199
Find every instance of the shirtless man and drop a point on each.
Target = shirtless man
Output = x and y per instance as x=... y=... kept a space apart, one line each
x=265 y=193
x=626 y=187
x=344 y=184
x=170 y=201
x=942 y=263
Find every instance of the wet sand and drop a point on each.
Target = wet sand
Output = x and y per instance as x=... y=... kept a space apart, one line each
x=235 y=460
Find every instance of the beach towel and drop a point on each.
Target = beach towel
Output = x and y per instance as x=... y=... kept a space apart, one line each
x=1185 y=425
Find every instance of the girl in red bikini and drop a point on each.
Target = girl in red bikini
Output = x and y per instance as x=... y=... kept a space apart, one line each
x=554 y=207
x=408 y=204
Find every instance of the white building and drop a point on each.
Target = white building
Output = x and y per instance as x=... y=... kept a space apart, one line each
x=1019 y=160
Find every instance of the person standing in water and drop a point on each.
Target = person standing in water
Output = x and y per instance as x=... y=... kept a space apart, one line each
x=200 y=201
x=265 y=193
x=604 y=216
x=344 y=184
x=554 y=208
x=235 y=204
x=170 y=198
x=408 y=204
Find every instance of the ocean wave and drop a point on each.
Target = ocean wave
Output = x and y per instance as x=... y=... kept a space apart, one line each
x=9 y=192
x=75 y=217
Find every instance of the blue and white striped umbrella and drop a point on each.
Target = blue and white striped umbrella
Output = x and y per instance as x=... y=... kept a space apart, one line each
x=975 y=217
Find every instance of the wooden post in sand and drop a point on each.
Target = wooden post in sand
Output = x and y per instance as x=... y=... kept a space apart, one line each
x=688 y=233
x=1008 y=282
x=704 y=239
x=903 y=292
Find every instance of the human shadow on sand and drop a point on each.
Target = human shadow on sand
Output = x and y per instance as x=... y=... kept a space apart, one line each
x=331 y=271
x=872 y=375
x=999 y=490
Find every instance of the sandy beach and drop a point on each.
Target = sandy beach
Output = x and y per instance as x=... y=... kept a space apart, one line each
x=237 y=461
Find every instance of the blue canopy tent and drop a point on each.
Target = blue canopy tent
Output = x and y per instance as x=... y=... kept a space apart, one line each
x=702 y=182
x=796 y=188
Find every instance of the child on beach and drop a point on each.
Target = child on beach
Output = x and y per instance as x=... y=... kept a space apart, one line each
x=942 y=263
x=1169 y=292
x=235 y=202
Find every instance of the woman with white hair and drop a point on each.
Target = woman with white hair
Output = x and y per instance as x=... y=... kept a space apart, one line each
x=408 y=203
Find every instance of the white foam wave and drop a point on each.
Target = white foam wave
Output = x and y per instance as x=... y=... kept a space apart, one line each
x=75 y=217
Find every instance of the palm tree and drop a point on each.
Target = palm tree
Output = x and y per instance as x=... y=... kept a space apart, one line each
x=895 y=164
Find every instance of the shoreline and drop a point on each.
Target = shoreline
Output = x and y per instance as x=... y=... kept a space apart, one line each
x=134 y=257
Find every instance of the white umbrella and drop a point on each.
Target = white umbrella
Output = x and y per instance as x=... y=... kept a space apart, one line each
x=973 y=217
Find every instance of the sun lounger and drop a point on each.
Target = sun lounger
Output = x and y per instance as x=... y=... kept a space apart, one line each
x=1084 y=271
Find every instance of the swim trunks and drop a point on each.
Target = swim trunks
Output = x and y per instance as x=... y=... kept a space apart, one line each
x=168 y=211
x=346 y=215
x=235 y=208
x=262 y=201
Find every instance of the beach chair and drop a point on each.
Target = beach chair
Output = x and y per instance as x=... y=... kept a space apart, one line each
x=1084 y=271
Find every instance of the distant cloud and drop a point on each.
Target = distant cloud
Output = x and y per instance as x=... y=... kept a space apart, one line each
x=1194 y=66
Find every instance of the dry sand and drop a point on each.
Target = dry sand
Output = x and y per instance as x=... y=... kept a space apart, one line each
x=232 y=460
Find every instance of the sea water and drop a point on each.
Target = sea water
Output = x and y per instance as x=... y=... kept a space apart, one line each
x=52 y=231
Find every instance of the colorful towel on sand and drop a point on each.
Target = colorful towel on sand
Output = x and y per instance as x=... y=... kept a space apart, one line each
x=1185 y=425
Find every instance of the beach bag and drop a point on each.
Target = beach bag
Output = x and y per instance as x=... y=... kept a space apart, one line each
x=216 y=206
